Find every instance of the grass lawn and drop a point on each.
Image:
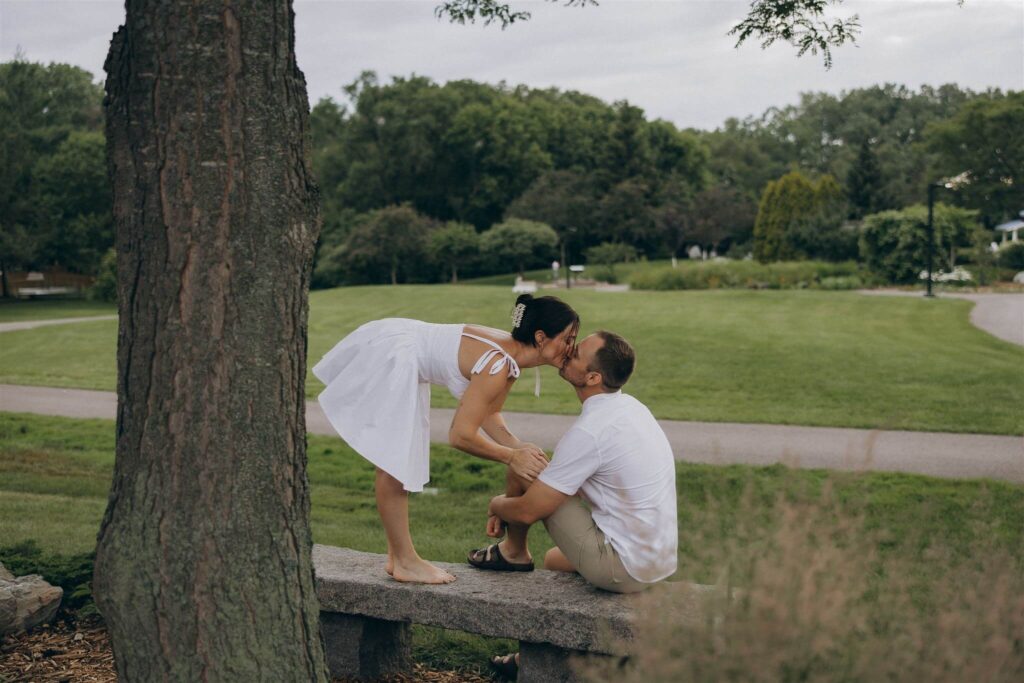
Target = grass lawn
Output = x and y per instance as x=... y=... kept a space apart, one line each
x=19 y=310
x=787 y=357
x=54 y=475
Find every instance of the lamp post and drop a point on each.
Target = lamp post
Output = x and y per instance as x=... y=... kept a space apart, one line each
x=565 y=256
x=953 y=183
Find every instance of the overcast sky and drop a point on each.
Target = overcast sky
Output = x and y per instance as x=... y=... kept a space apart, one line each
x=670 y=57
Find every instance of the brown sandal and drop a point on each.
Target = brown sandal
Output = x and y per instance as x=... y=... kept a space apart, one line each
x=491 y=558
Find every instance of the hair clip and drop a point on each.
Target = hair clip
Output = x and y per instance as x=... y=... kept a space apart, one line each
x=517 y=315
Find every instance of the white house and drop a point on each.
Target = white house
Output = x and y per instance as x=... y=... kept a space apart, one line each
x=1011 y=231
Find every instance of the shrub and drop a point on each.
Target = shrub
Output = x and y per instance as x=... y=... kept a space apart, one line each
x=1011 y=256
x=105 y=286
x=73 y=573
x=801 y=218
x=815 y=595
x=893 y=244
x=750 y=275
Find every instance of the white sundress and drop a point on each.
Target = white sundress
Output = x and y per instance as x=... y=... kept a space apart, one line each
x=378 y=389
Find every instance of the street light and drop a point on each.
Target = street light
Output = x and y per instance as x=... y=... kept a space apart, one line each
x=565 y=255
x=954 y=183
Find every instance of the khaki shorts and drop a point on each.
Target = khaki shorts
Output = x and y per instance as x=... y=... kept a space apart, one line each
x=573 y=530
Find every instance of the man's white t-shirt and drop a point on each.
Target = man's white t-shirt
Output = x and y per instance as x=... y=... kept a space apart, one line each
x=619 y=459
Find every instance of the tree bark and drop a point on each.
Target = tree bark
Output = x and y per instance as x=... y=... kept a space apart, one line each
x=203 y=566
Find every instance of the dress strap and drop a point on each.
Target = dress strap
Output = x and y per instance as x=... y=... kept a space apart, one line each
x=506 y=359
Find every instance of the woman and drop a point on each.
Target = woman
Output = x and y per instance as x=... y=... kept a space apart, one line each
x=378 y=399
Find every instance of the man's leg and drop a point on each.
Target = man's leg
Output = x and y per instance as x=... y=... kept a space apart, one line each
x=581 y=547
x=514 y=548
x=556 y=561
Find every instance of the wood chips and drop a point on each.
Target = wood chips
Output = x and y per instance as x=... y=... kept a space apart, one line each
x=80 y=652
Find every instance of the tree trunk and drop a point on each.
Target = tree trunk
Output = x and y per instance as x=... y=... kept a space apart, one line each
x=203 y=566
x=455 y=275
x=3 y=280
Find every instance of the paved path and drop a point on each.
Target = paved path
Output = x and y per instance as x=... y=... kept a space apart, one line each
x=29 y=324
x=936 y=454
x=1001 y=315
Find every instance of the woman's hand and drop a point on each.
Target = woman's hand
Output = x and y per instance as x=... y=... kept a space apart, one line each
x=528 y=461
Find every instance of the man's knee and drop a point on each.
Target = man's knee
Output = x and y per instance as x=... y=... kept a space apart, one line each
x=514 y=484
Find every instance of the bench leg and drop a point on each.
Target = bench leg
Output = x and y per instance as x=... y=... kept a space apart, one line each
x=362 y=647
x=545 y=663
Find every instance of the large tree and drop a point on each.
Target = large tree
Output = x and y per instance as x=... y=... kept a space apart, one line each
x=203 y=566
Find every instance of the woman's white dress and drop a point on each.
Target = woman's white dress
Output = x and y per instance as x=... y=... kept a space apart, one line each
x=378 y=389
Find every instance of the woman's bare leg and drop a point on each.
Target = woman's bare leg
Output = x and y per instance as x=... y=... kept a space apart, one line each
x=514 y=548
x=405 y=564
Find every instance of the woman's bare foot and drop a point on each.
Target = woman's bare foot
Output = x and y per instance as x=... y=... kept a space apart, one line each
x=390 y=566
x=420 y=571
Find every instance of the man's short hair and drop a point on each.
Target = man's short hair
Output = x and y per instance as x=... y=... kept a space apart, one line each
x=615 y=360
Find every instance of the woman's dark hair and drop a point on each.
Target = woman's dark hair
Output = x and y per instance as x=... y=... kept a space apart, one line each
x=547 y=313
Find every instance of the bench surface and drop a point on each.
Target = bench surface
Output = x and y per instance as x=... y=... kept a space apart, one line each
x=538 y=607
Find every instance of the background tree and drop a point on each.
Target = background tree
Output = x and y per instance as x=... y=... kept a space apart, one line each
x=719 y=214
x=864 y=182
x=72 y=193
x=785 y=204
x=520 y=243
x=40 y=106
x=607 y=254
x=389 y=243
x=203 y=564
x=986 y=139
x=801 y=218
x=454 y=244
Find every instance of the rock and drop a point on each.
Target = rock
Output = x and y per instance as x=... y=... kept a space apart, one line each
x=1019 y=278
x=5 y=574
x=27 y=602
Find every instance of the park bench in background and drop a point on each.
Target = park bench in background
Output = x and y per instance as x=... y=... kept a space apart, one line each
x=365 y=616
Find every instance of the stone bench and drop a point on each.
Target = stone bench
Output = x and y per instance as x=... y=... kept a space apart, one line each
x=365 y=616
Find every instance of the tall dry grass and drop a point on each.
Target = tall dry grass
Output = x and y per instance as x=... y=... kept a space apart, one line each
x=814 y=595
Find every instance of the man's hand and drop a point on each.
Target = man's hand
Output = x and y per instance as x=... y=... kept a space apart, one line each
x=495 y=526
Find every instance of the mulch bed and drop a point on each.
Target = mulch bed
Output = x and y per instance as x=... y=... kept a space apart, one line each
x=80 y=651
x=62 y=651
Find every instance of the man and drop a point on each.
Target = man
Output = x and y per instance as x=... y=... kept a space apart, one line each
x=617 y=458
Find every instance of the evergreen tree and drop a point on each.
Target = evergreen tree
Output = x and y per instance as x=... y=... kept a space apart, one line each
x=864 y=182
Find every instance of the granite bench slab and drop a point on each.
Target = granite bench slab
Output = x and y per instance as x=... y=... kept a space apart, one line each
x=552 y=614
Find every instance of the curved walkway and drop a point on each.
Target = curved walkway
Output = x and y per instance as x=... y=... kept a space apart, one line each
x=1001 y=315
x=931 y=453
x=30 y=324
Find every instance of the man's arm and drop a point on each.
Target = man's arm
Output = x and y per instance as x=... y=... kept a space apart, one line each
x=539 y=502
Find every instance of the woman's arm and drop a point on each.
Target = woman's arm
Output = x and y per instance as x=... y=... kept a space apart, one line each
x=495 y=427
x=481 y=402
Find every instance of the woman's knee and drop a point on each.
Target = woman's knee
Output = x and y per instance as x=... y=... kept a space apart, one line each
x=385 y=482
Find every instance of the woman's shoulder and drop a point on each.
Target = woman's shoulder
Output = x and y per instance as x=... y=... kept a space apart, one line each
x=489 y=333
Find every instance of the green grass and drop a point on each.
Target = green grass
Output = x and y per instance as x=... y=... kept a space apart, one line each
x=19 y=310
x=55 y=472
x=788 y=357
